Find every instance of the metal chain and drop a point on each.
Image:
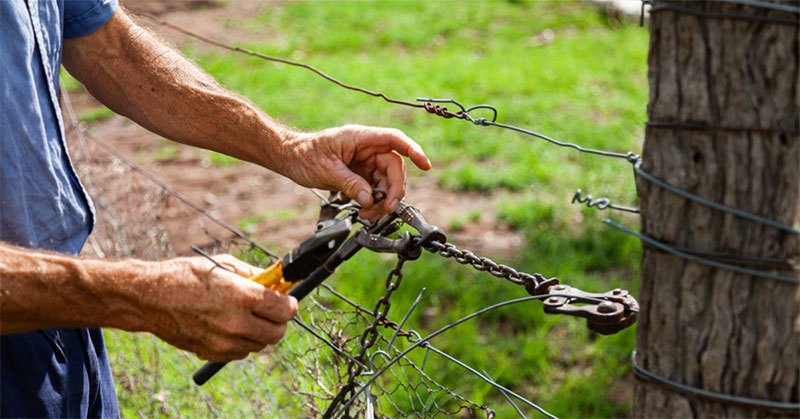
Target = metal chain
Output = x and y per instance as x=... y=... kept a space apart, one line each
x=370 y=335
x=535 y=284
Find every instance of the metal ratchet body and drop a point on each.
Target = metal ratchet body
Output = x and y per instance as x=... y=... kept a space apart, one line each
x=605 y=313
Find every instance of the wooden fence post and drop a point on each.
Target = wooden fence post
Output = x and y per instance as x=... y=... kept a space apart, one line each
x=724 y=124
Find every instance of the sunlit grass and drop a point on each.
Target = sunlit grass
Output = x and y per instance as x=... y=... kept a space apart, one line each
x=95 y=114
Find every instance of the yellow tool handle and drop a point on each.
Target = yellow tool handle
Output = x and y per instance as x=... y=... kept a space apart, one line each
x=272 y=278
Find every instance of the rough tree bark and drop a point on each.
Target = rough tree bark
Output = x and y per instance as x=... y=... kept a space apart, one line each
x=712 y=328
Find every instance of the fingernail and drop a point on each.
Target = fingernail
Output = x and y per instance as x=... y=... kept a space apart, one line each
x=363 y=198
x=393 y=205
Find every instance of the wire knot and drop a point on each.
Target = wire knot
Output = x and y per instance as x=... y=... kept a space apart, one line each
x=442 y=111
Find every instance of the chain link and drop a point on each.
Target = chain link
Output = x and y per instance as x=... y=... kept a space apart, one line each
x=355 y=367
x=535 y=284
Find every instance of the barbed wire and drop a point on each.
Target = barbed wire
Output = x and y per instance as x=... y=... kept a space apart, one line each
x=785 y=7
x=600 y=203
x=693 y=391
x=711 y=203
x=430 y=105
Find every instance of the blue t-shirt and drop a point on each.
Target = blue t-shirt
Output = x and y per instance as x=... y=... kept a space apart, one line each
x=57 y=372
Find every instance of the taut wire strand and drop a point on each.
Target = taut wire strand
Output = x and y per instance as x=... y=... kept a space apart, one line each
x=703 y=260
x=760 y=404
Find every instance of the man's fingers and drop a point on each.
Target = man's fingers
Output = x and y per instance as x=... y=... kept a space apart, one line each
x=393 y=173
x=236 y=335
x=355 y=186
x=231 y=348
x=387 y=139
x=258 y=333
x=237 y=266
x=376 y=211
x=275 y=307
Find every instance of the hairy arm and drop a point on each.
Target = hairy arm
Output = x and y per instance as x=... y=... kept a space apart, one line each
x=188 y=302
x=138 y=76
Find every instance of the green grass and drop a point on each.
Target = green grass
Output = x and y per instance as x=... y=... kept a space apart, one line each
x=249 y=223
x=166 y=152
x=69 y=82
x=96 y=114
x=588 y=86
x=219 y=159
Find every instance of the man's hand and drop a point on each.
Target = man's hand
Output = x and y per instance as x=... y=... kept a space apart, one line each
x=189 y=302
x=217 y=314
x=354 y=159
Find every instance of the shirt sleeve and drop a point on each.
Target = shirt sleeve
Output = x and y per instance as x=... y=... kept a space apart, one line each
x=82 y=17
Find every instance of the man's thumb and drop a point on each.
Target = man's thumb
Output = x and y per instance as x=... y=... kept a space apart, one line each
x=357 y=188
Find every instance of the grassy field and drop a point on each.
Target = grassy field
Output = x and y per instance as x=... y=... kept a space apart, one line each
x=555 y=67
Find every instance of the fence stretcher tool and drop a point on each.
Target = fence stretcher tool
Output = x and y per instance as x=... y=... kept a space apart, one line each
x=298 y=264
x=314 y=260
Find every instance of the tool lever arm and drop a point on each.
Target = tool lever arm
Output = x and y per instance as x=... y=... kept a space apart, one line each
x=316 y=250
x=427 y=232
x=406 y=245
x=312 y=281
x=204 y=373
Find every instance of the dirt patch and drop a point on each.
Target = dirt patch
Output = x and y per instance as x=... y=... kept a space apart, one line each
x=217 y=19
x=245 y=191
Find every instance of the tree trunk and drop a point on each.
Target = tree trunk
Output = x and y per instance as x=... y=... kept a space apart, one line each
x=724 y=117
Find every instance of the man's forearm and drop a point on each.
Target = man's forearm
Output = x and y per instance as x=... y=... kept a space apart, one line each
x=138 y=76
x=43 y=290
x=188 y=302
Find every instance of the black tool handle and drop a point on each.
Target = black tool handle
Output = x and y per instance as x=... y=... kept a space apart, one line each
x=202 y=375
x=207 y=371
